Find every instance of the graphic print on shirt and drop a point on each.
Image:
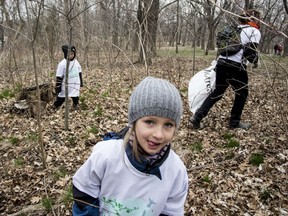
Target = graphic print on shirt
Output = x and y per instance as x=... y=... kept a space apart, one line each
x=73 y=72
x=131 y=207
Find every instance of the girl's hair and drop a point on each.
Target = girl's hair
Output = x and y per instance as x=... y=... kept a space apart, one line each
x=134 y=142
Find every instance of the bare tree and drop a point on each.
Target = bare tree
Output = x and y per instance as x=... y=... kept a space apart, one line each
x=13 y=33
x=249 y=4
x=111 y=24
x=33 y=38
x=178 y=27
x=52 y=29
x=212 y=15
x=148 y=11
x=116 y=10
x=276 y=18
x=286 y=39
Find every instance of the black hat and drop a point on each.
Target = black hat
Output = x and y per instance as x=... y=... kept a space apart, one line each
x=65 y=50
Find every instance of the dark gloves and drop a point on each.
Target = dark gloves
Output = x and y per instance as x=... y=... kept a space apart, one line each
x=250 y=52
x=81 y=80
x=255 y=65
x=58 y=84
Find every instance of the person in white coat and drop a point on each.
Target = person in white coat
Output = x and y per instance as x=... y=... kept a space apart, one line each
x=140 y=174
x=75 y=80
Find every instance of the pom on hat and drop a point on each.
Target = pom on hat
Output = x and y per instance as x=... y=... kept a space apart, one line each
x=155 y=97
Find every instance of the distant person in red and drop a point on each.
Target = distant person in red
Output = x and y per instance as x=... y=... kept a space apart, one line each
x=280 y=49
x=276 y=49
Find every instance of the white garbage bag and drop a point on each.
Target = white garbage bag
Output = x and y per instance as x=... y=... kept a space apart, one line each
x=200 y=86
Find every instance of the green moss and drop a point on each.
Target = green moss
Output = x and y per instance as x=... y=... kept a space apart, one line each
x=60 y=173
x=227 y=136
x=68 y=196
x=47 y=203
x=232 y=143
x=196 y=147
x=206 y=179
x=6 y=94
x=14 y=140
x=93 y=130
x=256 y=159
x=19 y=161
x=98 y=111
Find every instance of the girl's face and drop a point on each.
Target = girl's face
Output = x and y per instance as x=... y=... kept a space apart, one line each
x=153 y=133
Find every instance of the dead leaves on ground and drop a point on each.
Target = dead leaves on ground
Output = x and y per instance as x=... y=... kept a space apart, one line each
x=222 y=181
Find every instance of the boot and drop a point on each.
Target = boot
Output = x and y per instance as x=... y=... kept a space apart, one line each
x=195 y=122
x=52 y=109
x=75 y=107
x=241 y=125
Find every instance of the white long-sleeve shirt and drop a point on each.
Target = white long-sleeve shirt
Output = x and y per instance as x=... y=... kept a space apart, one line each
x=73 y=77
x=248 y=34
x=121 y=188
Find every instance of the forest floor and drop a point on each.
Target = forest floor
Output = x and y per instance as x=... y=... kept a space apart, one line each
x=231 y=172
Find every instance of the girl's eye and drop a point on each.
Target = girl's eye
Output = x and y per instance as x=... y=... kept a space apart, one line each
x=169 y=125
x=149 y=122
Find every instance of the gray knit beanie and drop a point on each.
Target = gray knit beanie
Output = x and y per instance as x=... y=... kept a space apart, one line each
x=155 y=97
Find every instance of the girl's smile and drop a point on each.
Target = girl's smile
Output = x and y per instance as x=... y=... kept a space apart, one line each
x=154 y=132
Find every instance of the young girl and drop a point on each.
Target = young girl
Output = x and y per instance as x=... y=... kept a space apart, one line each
x=74 y=78
x=144 y=176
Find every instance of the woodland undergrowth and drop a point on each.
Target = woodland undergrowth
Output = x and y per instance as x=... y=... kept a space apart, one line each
x=231 y=172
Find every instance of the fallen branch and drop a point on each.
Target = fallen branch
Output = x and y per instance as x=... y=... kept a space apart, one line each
x=30 y=208
x=33 y=208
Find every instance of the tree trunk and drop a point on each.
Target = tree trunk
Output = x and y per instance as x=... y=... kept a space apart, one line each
x=115 y=24
x=198 y=35
x=285 y=50
x=177 y=27
x=203 y=33
x=211 y=33
x=136 y=36
x=148 y=21
x=39 y=120
x=85 y=35
x=52 y=31
x=152 y=26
